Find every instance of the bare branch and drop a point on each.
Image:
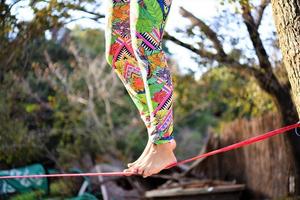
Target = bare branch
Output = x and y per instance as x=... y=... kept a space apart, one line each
x=51 y=156
x=201 y=52
x=259 y=48
x=212 y=35
x=13 y=4
x=262 y=73
x=63 y=80
x=79 y=8
x=260 y=12
x=243 y=69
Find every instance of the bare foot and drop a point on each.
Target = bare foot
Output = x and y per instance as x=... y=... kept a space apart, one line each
x=145 y=152
x=158 y=157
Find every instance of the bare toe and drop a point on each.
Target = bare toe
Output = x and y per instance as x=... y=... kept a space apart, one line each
x=140 y=159
x=146 y=173
x=128 y=171
x=134 y=169
x=130 y=164
x=140 y=170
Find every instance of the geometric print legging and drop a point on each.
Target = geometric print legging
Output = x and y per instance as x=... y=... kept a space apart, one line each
x=133 y=36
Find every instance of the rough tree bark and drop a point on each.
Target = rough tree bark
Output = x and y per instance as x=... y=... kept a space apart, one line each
x=286 y=14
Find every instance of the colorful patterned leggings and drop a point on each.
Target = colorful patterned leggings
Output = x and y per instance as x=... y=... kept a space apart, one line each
x=133 y=35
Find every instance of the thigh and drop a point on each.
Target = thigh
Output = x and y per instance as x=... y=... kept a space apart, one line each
x=117 y=17
x=117 y=32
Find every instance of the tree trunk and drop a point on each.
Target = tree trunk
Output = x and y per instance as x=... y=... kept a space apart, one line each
x=286 y=14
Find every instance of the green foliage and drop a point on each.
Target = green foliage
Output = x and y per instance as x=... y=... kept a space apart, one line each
x=133 y=144
x=34 y=195
x=89 y=41
x=237 y=96
x=69 y=135
x=17 y=140
x=62 y=188
x=220 y=95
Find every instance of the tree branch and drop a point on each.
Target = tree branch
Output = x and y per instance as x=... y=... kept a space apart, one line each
x=260 y=12
x=80 y=8
x=201 y=52
x=224 y=60
x=205 y=29
x=267 y=81
x=259 y=48
x=263 y=73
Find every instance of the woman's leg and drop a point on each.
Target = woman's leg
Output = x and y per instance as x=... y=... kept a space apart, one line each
x=148 y=19
x=120 y=56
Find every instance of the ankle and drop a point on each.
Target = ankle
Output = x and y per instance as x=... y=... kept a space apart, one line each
x=171 y=145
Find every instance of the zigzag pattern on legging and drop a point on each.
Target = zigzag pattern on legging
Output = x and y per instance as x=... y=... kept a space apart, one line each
x=140 y=34
x=149 y=42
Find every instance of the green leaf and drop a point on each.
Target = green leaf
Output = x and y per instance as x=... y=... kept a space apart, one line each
x=155 y=88
x=145 y=22
x=154 y=104
x=144 y=26
x=151 y=80
x=154 y=9
x=142 y=98
x=32 y=107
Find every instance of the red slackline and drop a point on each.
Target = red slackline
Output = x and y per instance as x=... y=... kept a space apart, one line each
x=224 y=149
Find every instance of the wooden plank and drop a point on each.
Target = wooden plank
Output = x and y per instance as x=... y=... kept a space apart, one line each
x=194 y=191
